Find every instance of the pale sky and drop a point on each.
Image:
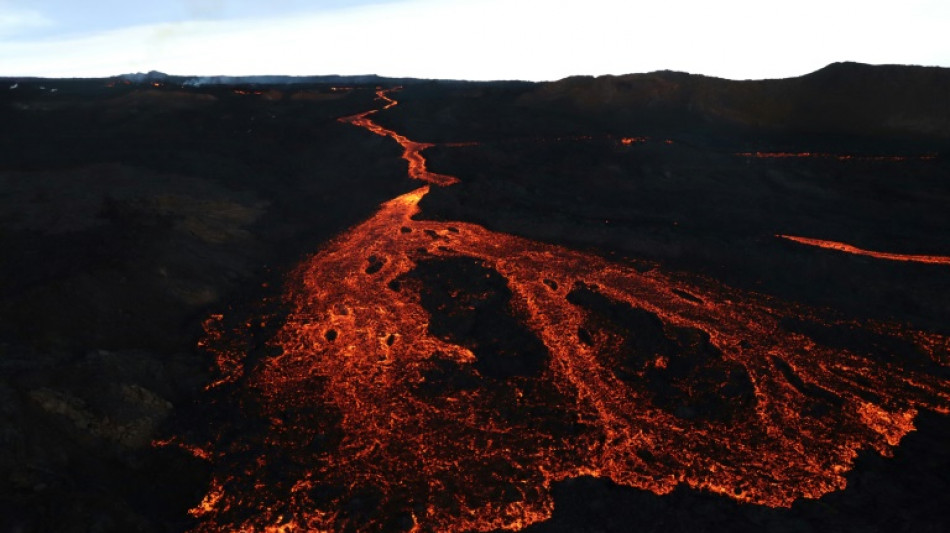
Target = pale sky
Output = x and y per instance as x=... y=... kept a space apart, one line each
x=466 y=39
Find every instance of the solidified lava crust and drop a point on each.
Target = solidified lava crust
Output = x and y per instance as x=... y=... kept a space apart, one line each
x=436 y=376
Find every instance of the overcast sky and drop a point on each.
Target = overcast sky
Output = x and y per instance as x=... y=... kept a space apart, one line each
x=466 y=39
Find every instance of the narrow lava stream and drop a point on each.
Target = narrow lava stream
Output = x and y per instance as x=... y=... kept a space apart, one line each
x=847 y=248
x=380 y=417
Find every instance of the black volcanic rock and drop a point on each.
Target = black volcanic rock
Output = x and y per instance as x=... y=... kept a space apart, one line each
x=75 y=450
x=692 y=195
x=130 y=213
x=692 y=380
x=905 y=493
x=470 y=306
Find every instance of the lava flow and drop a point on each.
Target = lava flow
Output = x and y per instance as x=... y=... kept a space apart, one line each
x=847 y=248
x=412 y=150
x=438 y=376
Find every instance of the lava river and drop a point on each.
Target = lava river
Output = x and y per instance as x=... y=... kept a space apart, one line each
x=438 y=376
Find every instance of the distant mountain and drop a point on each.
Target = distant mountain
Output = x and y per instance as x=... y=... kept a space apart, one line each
x=143 y=77
x=854 y=99
x=842 y=98
x=195 y=81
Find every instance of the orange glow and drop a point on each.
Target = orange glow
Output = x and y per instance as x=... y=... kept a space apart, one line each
x=646 y=378
x=209 y=504
x=412 y=151
x=847 y=248
x=627 y=141
x=196 y=451
x=383 y=94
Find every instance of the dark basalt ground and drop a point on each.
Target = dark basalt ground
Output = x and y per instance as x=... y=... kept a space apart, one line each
x=694 y=380
x=128 y=214
x=904 y=493
x=470 y=306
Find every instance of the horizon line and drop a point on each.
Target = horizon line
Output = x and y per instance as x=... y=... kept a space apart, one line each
x=157 y=73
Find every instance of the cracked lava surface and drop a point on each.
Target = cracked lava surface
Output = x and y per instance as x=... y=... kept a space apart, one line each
x=438 y=376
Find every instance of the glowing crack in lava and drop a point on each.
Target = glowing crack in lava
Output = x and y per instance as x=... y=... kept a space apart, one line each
x=438 y=376
x=847 y=248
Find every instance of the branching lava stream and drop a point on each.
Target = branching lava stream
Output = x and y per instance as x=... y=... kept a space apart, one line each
x=438 y=376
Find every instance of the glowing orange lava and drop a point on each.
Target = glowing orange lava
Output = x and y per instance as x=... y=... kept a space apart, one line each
x=412 y=150
x=847 y=248
x=627 y=141
x=381 y=415
x=197 y=451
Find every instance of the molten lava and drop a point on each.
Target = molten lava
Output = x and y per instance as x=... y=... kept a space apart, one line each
x=627 y=141
x=438 y=376
x=412 y=150
x=847 y=248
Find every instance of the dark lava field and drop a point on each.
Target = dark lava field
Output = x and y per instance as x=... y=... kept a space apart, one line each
x=653 y=302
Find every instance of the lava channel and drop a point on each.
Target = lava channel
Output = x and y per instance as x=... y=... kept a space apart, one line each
x=438 y=376
x=847 y=248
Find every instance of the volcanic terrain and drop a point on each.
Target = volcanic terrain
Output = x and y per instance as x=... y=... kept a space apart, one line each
x=646 y=302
